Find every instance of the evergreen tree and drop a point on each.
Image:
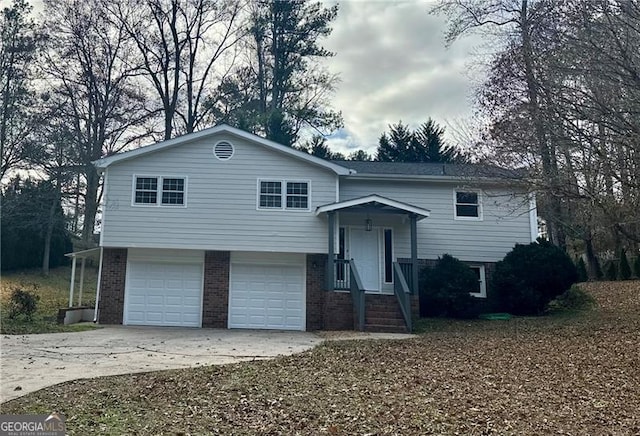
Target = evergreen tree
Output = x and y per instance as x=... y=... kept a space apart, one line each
x=360 y=155
x=612 y=271
x=317 y=146
x=425 y=144
x=25 y=221
x=636 y=267
x=624 y=270
x=582 y=270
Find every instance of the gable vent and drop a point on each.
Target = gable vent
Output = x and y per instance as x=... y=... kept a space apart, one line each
x=223 y=150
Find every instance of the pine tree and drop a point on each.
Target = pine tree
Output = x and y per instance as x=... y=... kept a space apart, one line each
x=624 y=270
x=612 y=271
x=582 y=270
x=636 y=267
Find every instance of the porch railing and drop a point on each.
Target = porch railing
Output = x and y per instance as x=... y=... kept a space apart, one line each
x=357 y=294
x=342 y=279
x=403 y=294
x=407 y=272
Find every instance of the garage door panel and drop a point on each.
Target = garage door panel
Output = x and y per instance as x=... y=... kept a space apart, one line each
x=164 y=294
x=267 y=296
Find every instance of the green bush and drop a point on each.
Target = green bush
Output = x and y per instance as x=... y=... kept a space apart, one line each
x=444 y=290
x=636 y=266
x=23 y=303
x=581 y=268
x=612 y=271
x=624 y=270
x=573 y=300
x=532 y=275
x=598 y=272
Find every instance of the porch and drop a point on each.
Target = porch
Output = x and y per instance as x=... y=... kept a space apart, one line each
x=363 y=260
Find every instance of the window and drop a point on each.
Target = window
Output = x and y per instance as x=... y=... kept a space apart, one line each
x=170 y=191
x=467 y=205
x=388 y=256
x=270 y=195
x=481 y=290
x=295 y=195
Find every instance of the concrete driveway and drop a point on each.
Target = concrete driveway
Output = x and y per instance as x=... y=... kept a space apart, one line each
x=32 y=362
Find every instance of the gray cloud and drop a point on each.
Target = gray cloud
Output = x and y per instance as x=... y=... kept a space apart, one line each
x=393 y=66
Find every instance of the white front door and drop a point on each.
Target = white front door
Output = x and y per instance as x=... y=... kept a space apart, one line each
x=365 y=252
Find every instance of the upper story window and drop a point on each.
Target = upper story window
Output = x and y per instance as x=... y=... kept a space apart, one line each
x=481 y=290
x=159 y=191
x=467 y=205
x=283 y=194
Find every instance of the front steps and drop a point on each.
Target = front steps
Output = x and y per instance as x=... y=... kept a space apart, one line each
x=383 y=315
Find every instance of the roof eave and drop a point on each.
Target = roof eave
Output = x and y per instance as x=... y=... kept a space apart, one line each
x=433 y=178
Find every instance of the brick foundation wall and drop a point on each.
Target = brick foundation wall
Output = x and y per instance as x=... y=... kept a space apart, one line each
x=215 y=299
x=112 y=282
x=338 y=311
x=315 y=281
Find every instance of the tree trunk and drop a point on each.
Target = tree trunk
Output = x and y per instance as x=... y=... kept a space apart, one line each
x=549 y=166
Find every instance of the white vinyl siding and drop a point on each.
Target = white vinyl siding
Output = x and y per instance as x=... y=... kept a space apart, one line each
x=505 y=219
x=221 y=212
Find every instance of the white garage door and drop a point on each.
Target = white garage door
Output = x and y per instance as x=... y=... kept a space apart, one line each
x=266 y=296
x=163 y=294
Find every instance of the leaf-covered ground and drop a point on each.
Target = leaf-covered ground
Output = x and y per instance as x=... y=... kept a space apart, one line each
x=577 y=375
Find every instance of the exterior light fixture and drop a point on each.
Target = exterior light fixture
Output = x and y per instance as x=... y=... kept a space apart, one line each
x=368 y=224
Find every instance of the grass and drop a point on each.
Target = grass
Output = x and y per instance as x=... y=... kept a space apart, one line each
x=53 y=291
x=573 y=374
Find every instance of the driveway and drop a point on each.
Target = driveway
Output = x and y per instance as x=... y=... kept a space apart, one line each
x=32 y=362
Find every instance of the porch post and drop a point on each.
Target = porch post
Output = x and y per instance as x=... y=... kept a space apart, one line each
x=414 y=254
x=331 y=250
x=84 y=259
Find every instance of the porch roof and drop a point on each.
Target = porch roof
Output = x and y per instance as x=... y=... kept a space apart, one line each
x=374 y=204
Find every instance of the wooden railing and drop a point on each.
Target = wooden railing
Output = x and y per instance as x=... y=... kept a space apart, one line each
x=357 y=294
x=403 y=293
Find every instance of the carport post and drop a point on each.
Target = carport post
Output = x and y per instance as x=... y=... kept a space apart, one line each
x=330 y=249
x=81 y=281
x=73 y=281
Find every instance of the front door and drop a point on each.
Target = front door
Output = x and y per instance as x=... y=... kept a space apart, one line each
x=365 y=252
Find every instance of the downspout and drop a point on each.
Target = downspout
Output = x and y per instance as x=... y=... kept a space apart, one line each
x=95 y=311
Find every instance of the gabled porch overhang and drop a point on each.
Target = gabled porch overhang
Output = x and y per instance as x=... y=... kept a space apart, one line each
x=373 y=204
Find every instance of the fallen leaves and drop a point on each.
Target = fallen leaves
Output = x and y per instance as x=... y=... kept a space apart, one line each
x=526 y=376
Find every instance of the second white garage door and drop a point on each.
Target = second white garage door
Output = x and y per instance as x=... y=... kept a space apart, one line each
x=267 y=296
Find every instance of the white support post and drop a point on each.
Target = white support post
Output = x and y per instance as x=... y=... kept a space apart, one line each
x=73 y=281
x=81 y=281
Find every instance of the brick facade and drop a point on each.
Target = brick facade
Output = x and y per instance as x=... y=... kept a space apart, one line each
x=315 y=281
x=215 y=299
x=112 y=282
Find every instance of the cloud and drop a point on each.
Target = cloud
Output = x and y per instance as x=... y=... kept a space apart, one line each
x=394 y=65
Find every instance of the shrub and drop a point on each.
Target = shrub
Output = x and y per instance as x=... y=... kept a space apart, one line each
x=532 y=275
x=23 y=303
x=445 y=288
x=624 y=270
x=573 y=300
x=636 y=266
x=581 y=268
x=612 y=271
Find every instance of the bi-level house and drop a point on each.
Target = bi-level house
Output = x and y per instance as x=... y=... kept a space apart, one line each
x=222 y=228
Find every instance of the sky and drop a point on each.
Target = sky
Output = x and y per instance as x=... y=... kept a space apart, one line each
x=394 y=65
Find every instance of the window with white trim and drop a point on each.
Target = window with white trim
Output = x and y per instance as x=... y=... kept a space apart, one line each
x=467 y=205
x=159 y=191
x=294 y=196
x=481 y=290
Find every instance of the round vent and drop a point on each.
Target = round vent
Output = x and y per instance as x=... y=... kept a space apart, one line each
x=223 y=150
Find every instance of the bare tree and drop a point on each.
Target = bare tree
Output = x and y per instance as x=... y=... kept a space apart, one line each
x=87 y=67
x=186 y=47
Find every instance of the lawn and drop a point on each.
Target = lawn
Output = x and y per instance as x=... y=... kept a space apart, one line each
x=53 y=291
x=572 y=374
